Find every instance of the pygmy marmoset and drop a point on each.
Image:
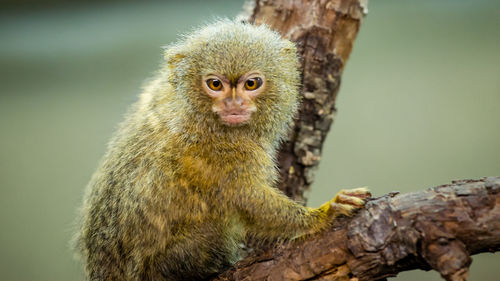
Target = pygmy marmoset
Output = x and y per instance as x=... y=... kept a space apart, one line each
x=190 y=172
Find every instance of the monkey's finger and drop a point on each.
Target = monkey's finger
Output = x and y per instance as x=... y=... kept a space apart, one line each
x=350 y=200
x=361 y=192
x=341 y=209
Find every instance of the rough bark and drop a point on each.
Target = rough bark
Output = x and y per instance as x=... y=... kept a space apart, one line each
x=438 y=228
x=324 y=32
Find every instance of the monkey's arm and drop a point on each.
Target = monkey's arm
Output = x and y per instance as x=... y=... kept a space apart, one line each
x=270 y=214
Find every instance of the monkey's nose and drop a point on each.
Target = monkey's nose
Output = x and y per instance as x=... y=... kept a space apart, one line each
x=233 y=102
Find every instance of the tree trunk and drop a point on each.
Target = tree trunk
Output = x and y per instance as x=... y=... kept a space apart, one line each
x=324 y=32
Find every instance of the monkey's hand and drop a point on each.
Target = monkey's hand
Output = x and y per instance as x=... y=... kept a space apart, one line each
x=345 y=202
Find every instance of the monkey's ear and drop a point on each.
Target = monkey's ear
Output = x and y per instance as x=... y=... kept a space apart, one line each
x=172 y=56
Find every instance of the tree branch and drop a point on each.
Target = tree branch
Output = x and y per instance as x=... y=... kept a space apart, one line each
x=434 y=229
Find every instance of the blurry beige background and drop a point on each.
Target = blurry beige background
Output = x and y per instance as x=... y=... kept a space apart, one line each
x=419 y=106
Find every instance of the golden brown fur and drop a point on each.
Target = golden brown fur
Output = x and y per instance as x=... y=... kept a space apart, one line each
x=178 y=190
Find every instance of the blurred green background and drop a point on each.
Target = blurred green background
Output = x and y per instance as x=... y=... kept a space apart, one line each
x=419 y=106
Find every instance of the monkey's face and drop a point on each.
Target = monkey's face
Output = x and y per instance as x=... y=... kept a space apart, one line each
x=233 y=98
x=235 y=77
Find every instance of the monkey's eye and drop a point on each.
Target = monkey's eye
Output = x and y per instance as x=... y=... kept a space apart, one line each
x=253 y=83
x=214 y=84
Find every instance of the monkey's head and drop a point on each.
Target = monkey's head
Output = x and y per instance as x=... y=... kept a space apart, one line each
x=236 y=76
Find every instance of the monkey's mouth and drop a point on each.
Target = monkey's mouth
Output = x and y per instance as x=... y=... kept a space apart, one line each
x=235 y=118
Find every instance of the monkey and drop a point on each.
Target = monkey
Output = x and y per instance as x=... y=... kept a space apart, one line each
x=191 y=170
